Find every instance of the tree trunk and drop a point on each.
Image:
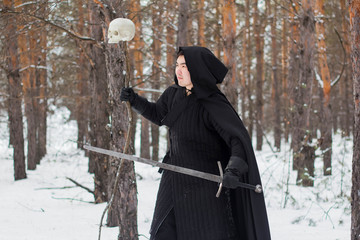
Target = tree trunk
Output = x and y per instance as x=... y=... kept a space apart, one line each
x=345 y=92
x=170 y=41
x=243 y=75
x=243 y=79
x=306 y=173
x=259 y=76
x=354 y=10
x=156 y=73
x=284 y=70
x=230 y=53
x=34 y=51
x=170 y=47
x=184 y=7
x=82 y=100
x=38 y=48
x=91 y=84
x=123 y=212
x=217 y=28
x=191 y=37
x=42 y=105
x=201 y=24
x=326 y=127
x=15 y=113
x=100 y=136
x=275 y=97
x=293 y=78
x=249 y=55
x=303 y=92
x=138 y=43
x=27 y=75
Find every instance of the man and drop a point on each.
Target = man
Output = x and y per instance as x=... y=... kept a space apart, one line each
x=203 y=129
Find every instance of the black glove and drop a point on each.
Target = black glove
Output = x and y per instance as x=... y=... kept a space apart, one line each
x=235 y=168
x=127 y=94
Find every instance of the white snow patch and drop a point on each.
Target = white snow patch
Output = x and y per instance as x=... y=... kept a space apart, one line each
x=37 y=208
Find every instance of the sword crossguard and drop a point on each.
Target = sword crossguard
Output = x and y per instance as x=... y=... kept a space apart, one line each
x=257 y=188
x=221 y=175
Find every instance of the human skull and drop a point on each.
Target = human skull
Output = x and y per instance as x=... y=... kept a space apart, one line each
x=121 y=29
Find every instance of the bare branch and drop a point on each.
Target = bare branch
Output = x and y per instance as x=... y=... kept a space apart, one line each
x=293 y=5
x=282 y=6
x=48 y=22
x=49 y=188
x=79 y=185
x=336 y=80
x=72 y=199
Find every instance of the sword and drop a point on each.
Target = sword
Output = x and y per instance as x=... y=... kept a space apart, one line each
x=178 y=169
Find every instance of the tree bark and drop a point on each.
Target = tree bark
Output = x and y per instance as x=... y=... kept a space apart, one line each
x=15 y=97
x=303 y=92
x=184 y=7
x=354 y=11
x=123 y=211
x=249 y=55
x=34 y=51
x=100 y=136
x=284 y=70
x=156 y=73
x=217 y=28
x=259 y=76
x=293 y=76
x=201 y=24
x=27 y=75
x=170 y=47
x=230 y=53
x=43 y=104
x=243 y=78
x=82 y=100
x=326 y=127
x=306 y=173
x=345 y=90
x=170 y=41
x=137 y=47
x=38 y=48
x=275 y=97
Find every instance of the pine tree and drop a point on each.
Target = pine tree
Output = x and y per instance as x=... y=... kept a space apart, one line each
x=354 y=11
x=14 y=85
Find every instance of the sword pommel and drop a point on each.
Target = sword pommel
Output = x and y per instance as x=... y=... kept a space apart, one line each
x=258 y=188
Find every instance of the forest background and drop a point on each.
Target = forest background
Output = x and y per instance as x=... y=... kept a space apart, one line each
x=292 y=78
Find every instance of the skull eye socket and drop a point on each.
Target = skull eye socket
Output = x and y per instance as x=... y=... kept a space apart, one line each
x=116 y=33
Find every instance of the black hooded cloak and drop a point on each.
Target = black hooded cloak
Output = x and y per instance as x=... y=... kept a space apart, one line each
x=248 y=212
x=206 y=71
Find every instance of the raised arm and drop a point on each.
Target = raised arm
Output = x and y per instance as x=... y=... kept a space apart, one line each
x=153 y=111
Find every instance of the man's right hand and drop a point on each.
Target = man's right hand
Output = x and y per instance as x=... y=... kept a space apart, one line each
x=127 y=94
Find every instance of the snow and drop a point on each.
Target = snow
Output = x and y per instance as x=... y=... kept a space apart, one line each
x=47 y=205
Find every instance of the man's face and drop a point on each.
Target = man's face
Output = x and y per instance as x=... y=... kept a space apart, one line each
x=182 y=73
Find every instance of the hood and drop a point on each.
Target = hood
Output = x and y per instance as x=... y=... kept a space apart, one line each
x=205 y=69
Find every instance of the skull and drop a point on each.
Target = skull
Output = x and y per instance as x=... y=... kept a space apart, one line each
x=121 y=29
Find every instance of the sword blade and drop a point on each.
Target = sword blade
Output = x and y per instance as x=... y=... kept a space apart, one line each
x=173 y=168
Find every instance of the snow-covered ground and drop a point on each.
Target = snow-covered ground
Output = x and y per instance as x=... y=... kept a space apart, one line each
x=47 y=205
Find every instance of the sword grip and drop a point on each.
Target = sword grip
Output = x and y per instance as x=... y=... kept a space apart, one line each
x=221 y=175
